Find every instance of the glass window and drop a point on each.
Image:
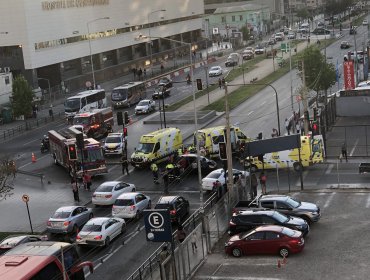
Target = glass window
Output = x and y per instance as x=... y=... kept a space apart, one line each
x=293 y=202
x=240 y=18
x=233 y=18
x=145 y=148
x=223 y=19
x=157 y=147
x=251 y=219
x=267 y=220
x=92 y=228
x=124 y=202
x=119 y=94
x=104 y=188
x=281 y=205
x=61 y=215
x=280 y=217
x=272 y=235
x=267 y=204
x=51 y=271
x=257 y=236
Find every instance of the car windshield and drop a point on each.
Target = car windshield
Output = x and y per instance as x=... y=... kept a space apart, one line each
x=143 y=103
x=243 y=235
x=163 y=81
x=119 y=94
x=114 y=139
x=215 y=68
x=280 y=217
x=145 y=148
x=124 y=202
x=293 y=203
x=164 y=206
x=91 y=227
x=288 y=231
x=72 y=104
x=104 y=188
x=61 y=215
x=214 y=175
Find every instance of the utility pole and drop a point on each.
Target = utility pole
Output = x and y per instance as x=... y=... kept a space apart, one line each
x=290 y=76
x=304 y=101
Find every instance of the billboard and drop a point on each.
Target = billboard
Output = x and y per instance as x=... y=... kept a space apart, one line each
x=349 y=77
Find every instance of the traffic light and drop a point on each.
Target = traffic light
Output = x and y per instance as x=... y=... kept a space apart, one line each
x=127 y=120
x=222 y=150
x=125 y=131
x=119 y=118
x=315 y=129
x=199 y=84
x=314 y=114
x=72 y=152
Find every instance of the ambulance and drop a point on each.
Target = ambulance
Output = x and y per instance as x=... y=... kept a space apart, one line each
x=312 y=152
x=210 y=137
x=156 y=147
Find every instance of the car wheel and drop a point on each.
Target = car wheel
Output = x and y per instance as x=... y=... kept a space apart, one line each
x=123 y=228
x=149 y=205
x=297 y=166
x=107 y=241
x=284 y=252
x=133 y=190
x=236 y=252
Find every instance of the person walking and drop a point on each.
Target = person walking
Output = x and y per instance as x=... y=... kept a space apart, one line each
x=154 y=169
x=165 y=181
x=180 y=234
x=254 y=185
x=344 y=152
x=144 y=73
x=263 y=179
x=219 y=83
x=124 y=163
x=274 y=133
x=287 y=126
x=87 y=181
x=74 y=185
x=193 y=240
x=140 y=73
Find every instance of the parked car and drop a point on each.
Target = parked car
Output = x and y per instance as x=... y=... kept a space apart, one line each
x=108 y=192
x=215 y=71
x=101 y=231
x=365 y=22
x=249 y=49
x=14 y=240
x=131 y=205
x=364 y=84
x=161 y=91
x=266 y=240
x=165 y=81
x=279 y=36
x=114 y=144
x=345 y=45
x=217 y=178
x=272 y=41
x=260 y=49
x=291 y=35
x=232 y=60
x=189 y=161
x=69 y=219
x=321 y=31
x=145 y=107
x=353 y=31
x=179 y=207
x=252 y=218
x=247 y=55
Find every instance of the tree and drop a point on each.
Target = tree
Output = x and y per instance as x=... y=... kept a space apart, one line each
x=7 y=169
x=303 y=13
x=319 y=74
x=245 y=31
x=22 y=97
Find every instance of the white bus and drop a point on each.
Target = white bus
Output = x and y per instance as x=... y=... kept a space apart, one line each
x=128 y=94
x=84 y=102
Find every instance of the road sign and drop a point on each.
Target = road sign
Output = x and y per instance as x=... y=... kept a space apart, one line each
x=25 y=198
x=158 y=225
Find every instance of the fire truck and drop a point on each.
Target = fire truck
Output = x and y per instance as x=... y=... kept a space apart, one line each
x=95 y=123
x=63 y=147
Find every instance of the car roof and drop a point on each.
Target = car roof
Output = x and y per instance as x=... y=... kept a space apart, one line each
x=67 y=208
x=166 y=199
x=146 y=100
x=269 y=228
x=114 y=134
x=39 y=248
x=129 y=195
x=98 y=220
x=275 y=197
x=14 y=238
x=255 y=211
x=110 y=183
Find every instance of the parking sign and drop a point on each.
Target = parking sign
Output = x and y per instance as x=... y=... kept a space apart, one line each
x=158 y=225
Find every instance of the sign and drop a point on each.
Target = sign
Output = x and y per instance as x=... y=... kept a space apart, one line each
x=271 y=145
x=285 y=47
x=64 y=4
x=215 y=30
x=158 y=225
x=25 y=198
x=349 y=77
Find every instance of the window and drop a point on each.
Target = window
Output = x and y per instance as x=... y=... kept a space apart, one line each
x=267 y=220
x=157 y=147
x=281 y=205
x=251 y=219
x=51 y=271
x=240 y=18
x=267 y=204
x=256 y=236
x=272 y=235
x=223 y=19
x=233 y=18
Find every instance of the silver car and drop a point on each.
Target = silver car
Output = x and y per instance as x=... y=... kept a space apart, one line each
x=69 y=219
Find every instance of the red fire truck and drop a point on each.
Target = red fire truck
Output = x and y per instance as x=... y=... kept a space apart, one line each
x=90 y=159
x=96 y=123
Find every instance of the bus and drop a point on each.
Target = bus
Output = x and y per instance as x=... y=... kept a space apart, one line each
x=84 y=102
x=128 y=94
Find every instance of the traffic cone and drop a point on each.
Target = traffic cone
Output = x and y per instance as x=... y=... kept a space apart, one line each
x=279 y=264
x=33 y=158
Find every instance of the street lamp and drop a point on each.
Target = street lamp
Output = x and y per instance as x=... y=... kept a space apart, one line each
x=150 y=42
x=44 y=79
x=88 y=34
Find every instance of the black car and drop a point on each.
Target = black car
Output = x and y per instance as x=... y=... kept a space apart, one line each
x=12 y=241
x=188 y=162
x=250 y=219
x=231 y=62
x=165 y=81
x=161 y=91
x=179 y=207
x=345 y=45
x=352 y=31
x=321 y=31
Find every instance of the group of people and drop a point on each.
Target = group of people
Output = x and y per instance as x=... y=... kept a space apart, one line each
x=139 y=72
x=294 y=124
x=86 y=181
x=254 y=184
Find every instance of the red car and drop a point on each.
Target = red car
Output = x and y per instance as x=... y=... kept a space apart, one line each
x=266 y=240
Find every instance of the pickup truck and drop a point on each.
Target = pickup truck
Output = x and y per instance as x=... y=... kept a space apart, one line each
x=284 y=204
x=364 y=167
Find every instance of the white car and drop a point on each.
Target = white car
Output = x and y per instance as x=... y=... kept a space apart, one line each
x=249 y=49
x=145 y=107
x=215 y=71
x=260 y=49
x=131 y=205
x=217 y=178
x=100 y=231
x=108 y=192
x=114 y=144
x=364 y=84
x=365 y=22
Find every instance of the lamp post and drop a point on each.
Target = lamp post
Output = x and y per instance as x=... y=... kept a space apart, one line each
x=150 y=42
x=88 y=34
x=44 y=79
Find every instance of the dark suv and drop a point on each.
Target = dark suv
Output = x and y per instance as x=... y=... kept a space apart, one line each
x=250 y=219
x=178 y=206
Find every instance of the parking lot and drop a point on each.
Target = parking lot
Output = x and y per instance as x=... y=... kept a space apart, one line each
x=336 y=248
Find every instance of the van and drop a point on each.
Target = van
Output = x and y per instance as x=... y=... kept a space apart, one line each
x=43 y=261
x=156 y=147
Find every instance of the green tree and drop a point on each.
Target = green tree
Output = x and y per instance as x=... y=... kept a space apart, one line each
x=22 y=97
x=245 y=31
x=319 y=74
x=7 y=170
x=303 y=13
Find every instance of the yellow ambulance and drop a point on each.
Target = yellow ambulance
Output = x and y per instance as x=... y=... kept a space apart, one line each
x=156 y=146
x=312 y=151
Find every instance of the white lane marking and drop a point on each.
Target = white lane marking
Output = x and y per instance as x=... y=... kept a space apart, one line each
x=29 y=142
x=327 y=202
x=354 y=147
x=251 y=112
x=262 y=103
x=32 y=162
x=330 y=167
x=368 y=202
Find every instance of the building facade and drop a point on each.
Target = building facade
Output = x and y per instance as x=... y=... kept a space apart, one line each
x=55 y=40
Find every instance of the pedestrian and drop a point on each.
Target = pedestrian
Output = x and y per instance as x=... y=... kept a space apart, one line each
x=134 y=71
x=51 y=110
x=344 y=152
x=254 y=185
x=144 y=73
x=287 y=125
x=154 y=169
x=163 y=255
x=140 y=73
x=74 y=185
x=263 y=179
x=298 y=127
x=165 y=182
x=274 y=133
x=162 y=68
x=219 y=83
x=193 y=241
x=180 y=234
x=87 y=181
x=124 y=163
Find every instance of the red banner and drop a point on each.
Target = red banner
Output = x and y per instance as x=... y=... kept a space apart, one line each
x=349 y=75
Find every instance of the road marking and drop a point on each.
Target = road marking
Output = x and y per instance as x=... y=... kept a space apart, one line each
x=368 y=202
x=112 y=168
x=330 y=167
x=29 y=142
x=329 y=200
x=262 y=103
x=354 y=147
x=250 y=112
x=32 y=162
